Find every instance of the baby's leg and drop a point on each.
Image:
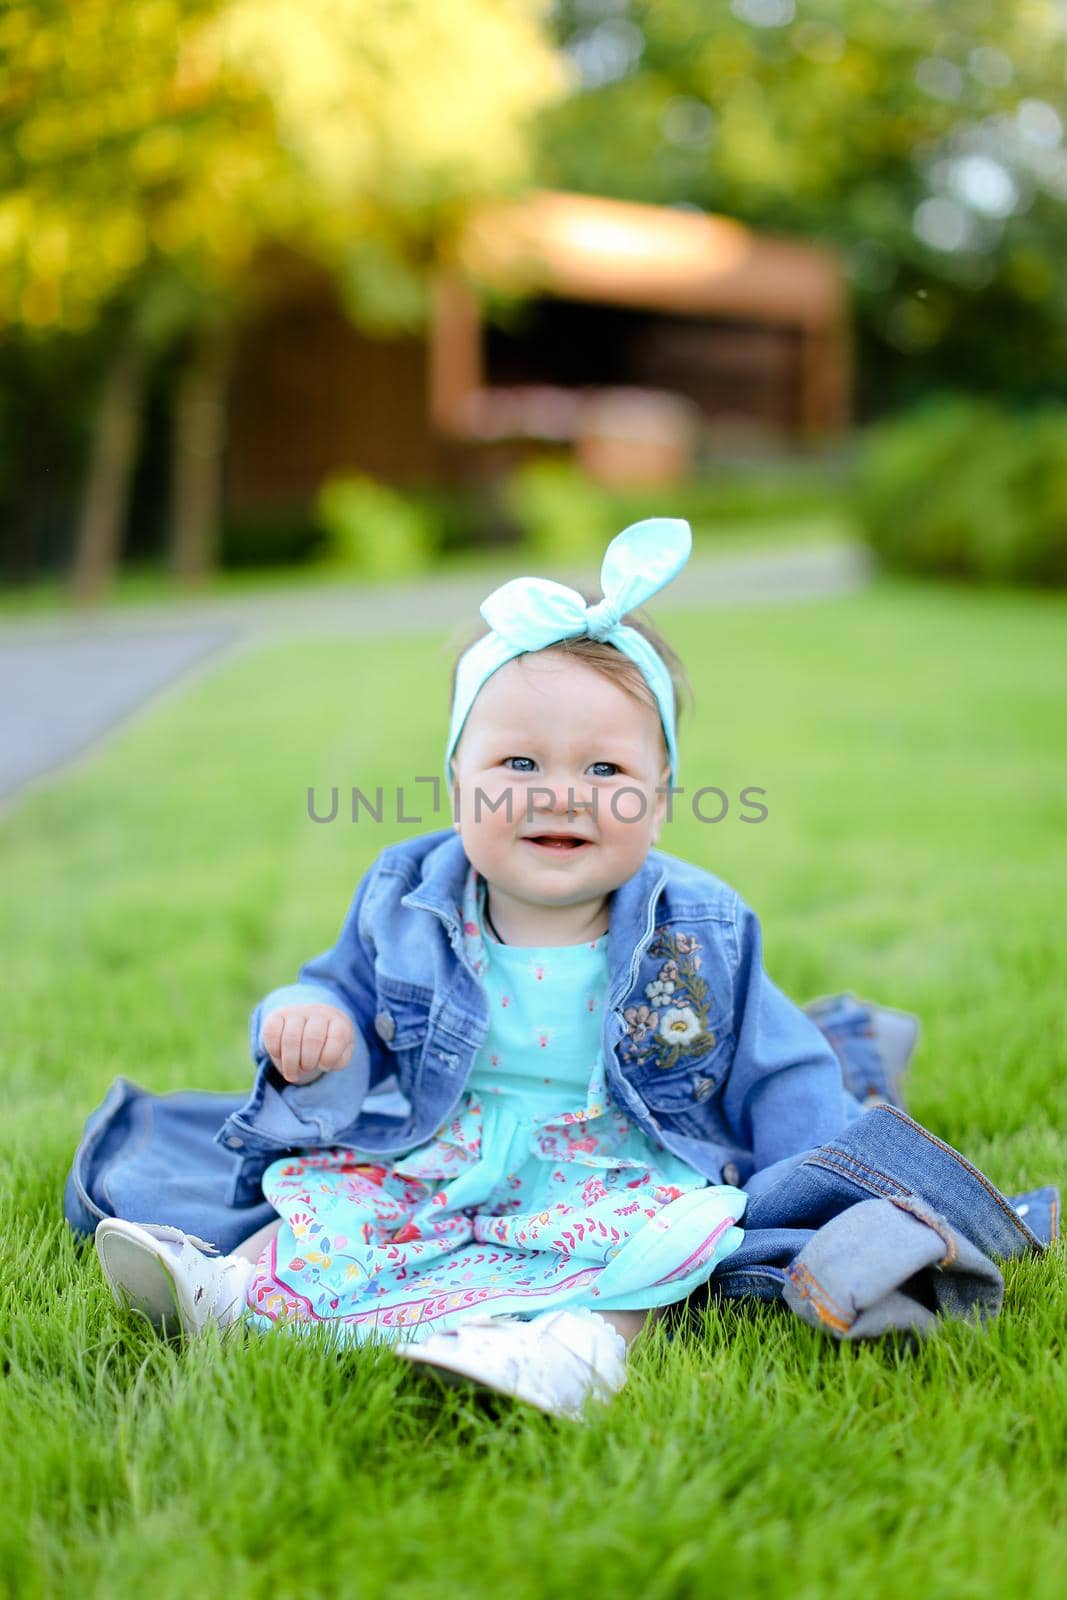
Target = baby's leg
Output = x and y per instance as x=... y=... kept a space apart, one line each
x=630 y=1323
x=253 y=1247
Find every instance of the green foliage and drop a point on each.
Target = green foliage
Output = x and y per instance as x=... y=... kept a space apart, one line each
x=963 y=489
x=376 y=530
x=562 y=513
x=271 y=538
x=164 y=165
x=208 y=131
x=923 y=141
x=740 y=496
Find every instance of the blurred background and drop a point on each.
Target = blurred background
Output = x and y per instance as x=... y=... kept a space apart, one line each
x=347 y=290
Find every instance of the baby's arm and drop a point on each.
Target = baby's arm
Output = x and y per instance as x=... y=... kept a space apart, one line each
x=314 y=1025
x=784 y=1093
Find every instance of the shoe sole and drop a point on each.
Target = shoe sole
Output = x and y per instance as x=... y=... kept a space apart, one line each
x=140 y=1281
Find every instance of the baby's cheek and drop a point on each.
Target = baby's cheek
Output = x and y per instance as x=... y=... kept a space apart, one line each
x=629 y=810
x=494 y=807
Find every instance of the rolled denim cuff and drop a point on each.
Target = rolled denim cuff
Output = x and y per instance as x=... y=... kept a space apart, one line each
x=886 y=1266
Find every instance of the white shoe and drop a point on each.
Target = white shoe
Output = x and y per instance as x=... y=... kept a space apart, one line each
x=555 y=1362
x=165 y=1276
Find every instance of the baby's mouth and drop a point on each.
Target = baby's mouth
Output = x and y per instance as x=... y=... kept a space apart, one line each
x=555 y=841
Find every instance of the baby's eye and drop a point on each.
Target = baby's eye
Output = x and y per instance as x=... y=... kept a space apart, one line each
x=520 y=763
x=597 y=769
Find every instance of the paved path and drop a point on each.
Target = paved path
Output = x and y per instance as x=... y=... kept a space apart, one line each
x=59 y=693
x=67 y=679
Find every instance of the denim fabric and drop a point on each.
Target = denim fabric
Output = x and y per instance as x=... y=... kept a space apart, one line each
x=873 y=1044
x=886 y=1266
x=883 y=1155
x=153 y=1158
x=768 y=1085
x=158 y=1158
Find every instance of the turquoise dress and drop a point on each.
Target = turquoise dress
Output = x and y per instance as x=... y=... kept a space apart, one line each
x=538 y=1192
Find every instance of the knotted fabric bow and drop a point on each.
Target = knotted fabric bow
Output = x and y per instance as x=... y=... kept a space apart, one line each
x=532 y=613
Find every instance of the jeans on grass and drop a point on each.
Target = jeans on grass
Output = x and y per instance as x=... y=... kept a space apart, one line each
x=882 y=1229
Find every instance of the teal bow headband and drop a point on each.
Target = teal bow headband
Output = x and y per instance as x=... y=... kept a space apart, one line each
x=532 y=613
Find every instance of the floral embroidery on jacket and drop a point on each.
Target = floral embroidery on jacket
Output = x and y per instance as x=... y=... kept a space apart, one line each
x=675 y=1020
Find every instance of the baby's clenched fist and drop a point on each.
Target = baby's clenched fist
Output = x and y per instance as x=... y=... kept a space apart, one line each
x=306 y=1041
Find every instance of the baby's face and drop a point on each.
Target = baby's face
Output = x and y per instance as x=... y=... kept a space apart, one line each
x=543 y=725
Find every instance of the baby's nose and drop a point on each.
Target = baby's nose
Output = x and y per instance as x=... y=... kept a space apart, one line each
x=563 y=797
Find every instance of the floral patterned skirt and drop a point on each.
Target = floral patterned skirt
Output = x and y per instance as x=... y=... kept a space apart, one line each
x=494 y=1215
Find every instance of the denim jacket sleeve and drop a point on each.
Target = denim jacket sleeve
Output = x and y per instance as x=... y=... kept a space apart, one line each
x=784 y=1093
x=342 y=976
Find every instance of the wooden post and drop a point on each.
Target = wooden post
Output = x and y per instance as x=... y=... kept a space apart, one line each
x=107 y=493
x=456 y=367
x=199 y=439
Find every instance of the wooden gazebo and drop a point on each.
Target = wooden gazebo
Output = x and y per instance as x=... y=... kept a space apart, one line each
x=547 y=305
x=707 y=277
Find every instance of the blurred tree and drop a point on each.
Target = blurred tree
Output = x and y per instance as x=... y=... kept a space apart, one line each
x=924 y=138
x=161 y=160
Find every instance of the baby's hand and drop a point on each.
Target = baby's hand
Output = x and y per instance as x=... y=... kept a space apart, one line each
x=305 y=1041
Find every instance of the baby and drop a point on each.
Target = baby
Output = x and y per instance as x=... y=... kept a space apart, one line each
x=552 y=1050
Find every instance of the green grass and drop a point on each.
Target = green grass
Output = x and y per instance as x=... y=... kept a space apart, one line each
x=910 y=743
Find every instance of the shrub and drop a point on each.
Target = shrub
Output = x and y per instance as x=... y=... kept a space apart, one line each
x=960 y=488
x=376 y=530
x=269 y=538
x=562 y=514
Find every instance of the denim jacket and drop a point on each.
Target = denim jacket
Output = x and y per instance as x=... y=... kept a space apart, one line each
x=701 y=1049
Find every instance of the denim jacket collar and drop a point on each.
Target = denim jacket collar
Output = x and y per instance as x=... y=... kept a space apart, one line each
x=633 y=906
x=440 y=886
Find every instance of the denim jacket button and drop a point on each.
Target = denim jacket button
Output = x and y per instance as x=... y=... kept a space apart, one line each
x=235 y=1143
x=703 y=1088
x=384 y=1026
x=731 y=1173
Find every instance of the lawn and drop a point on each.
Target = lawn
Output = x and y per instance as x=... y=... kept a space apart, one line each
x=906 y=738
